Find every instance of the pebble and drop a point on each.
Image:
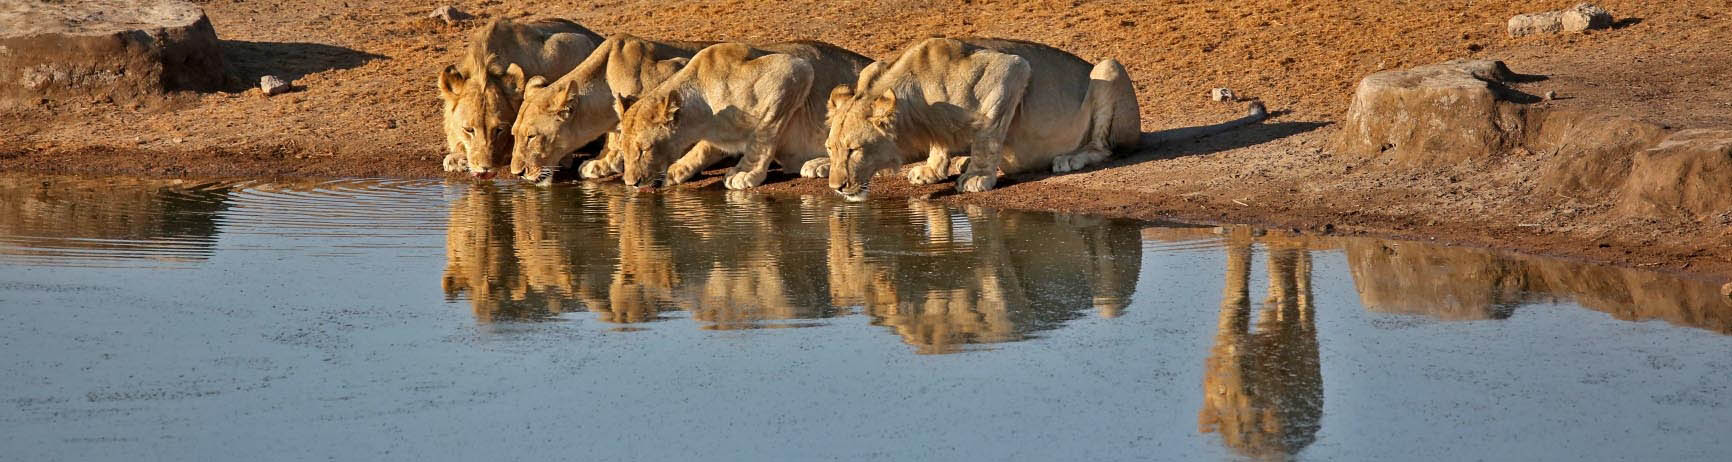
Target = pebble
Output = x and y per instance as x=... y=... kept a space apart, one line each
x=1551 y=95
x=450 y=15
x=1221 y=95
x=1726 y=290
x=273 y=85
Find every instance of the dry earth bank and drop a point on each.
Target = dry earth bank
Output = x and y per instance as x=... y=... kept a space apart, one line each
x=366 y=105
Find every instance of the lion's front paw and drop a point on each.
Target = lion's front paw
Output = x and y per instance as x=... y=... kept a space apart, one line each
x=1068 y=163
x=816 y=168
x=924 y=174
x=593 y=169
x=975 y=182
x=745 y=180
x=456 y=162
x=681 y=173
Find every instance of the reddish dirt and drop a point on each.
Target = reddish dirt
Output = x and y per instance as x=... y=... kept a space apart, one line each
x=367 y=106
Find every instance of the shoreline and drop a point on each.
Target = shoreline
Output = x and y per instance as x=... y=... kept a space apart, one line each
x=1014 y=193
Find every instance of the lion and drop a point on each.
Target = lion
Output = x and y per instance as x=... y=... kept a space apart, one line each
x=480 y=101
x=1010 y=105
x=757 y=101
x=561 y=116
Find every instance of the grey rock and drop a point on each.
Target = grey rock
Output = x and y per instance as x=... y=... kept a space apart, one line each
x=273 y=85
x=450 y=15
x=1580 y=18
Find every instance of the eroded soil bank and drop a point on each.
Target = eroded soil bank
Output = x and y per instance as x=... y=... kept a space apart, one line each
x=366 y=106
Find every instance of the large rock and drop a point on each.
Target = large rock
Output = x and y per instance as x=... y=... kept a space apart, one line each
x=104 y=49
x=1689 y=174
x=1436 y=114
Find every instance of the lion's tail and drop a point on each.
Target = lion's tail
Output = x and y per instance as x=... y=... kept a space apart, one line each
x=1257 y=114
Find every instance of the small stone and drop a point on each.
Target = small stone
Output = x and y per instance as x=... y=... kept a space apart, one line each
x=1551 y=95
x=450 y=15
x=1726 y=290
x=273 y=85
x=1222 y=95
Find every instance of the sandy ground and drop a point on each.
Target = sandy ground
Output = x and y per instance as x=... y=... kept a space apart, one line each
x=367 y=106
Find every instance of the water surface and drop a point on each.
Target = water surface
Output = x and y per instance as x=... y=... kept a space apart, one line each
x=423 y=320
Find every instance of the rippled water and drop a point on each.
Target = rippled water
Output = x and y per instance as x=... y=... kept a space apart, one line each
x=424 y=320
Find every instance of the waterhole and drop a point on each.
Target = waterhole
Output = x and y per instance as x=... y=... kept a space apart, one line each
x=425 y=320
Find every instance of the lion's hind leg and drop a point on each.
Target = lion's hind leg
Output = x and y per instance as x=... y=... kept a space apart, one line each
x=1114 y=122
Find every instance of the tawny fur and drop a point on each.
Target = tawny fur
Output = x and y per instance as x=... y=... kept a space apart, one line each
x=561 y=116
x=765 y=103
x=481 y=96
x=1009 y=105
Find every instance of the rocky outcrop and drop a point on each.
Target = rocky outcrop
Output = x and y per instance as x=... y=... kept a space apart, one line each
x=1689 y=174
x=1578 y=19
x=105 y=50
x=1442 y=113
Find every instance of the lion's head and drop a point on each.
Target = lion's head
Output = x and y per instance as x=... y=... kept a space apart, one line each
x=647 y=140
x=544 y=133
x=479 y=110
x=862 y=139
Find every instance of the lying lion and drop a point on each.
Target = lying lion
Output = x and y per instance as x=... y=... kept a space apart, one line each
x=762 y=102
x=559 y=117
x=480 y=103
x=1011 y=105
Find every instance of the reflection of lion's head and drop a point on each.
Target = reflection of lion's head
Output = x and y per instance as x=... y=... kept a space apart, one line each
x=1262 y=382
x=996 y=286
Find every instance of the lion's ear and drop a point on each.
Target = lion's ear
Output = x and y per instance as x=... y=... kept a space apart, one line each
x=884 y=108
x=870 y=73
x=840 y=95
x=450 y=81
x=514 y=80
x=670 y=107
x=562 y=99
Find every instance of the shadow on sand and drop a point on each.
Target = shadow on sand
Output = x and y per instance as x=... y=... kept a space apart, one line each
x=248 y=61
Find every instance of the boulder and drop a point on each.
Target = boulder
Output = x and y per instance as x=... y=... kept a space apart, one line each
x=1688 y=174
x=1578 y=19
x=1428 y=115
x=105 y=50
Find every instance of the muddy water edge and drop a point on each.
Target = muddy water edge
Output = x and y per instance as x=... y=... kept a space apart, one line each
x=294 y=320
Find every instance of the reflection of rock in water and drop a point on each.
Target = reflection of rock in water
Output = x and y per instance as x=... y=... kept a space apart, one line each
x=943 y=281
x=1263 y=386
x=1454 y=283
x=177 y=219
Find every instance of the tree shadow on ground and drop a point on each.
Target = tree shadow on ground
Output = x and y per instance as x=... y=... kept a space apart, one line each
x=248 y=61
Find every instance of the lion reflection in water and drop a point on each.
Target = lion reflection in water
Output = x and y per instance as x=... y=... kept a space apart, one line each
x=1263 y=384
x=939 y=278
x=943 y=280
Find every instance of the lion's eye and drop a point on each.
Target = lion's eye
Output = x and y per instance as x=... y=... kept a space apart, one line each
x=469 y=130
